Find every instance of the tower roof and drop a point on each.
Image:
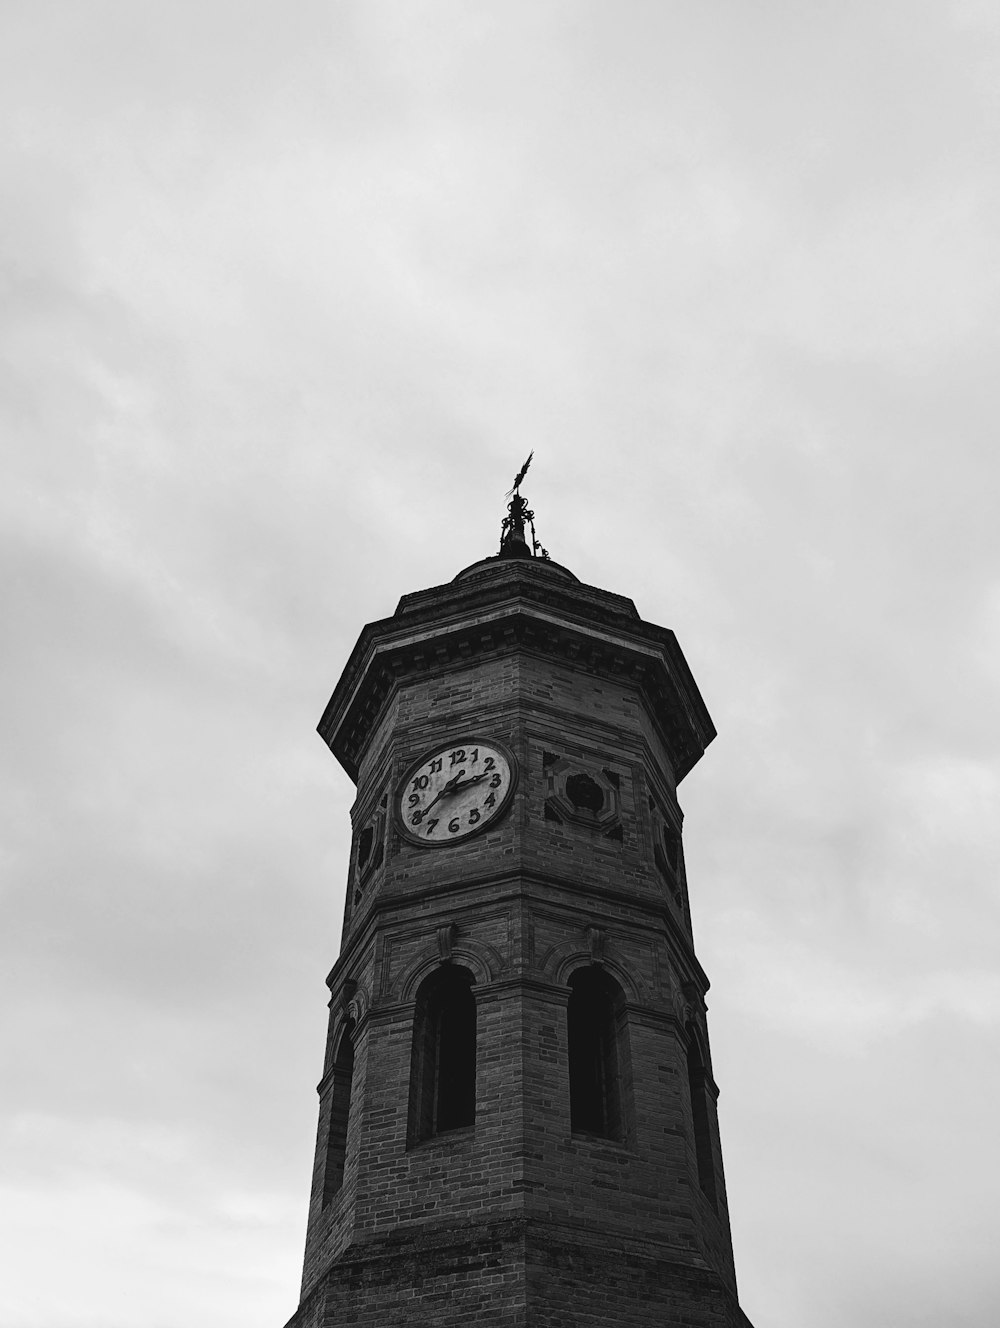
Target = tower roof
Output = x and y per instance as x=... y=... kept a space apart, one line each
x=516 y=602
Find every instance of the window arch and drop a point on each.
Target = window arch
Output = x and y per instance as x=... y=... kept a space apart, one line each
x=443 y=1061
x=340 y=1114
x=698 y=1088
x=598 y=1055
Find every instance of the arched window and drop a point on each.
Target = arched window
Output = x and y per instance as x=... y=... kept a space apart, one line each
x=598 y=1055
x=701 y=1117
x=443 y=1062
x=340 y=1114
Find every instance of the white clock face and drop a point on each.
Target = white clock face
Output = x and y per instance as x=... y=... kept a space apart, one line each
x=456 y=792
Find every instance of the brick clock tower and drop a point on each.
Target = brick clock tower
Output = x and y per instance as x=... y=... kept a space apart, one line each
x=517 y=1119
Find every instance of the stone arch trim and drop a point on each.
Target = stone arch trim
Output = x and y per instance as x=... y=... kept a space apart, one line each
x=696 y=1035
x=351 y=1002
x=483 y=962
x=337 y=1031
x=357 y=1006
x=561 y=961
x=341 y=1032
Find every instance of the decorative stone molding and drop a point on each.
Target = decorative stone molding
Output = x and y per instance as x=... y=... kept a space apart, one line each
x=483 y=961
x=357 y=1006
x=691 y=1005
x=349 y=1006
x=596 y=937
x=347 y=992
x=583 y=795
x=369 y=849
x=445 y=939
x=560 y=962
x=515 y=607
x=668 y=852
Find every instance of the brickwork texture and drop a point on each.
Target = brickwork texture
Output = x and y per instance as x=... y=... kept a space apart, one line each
x=515 y=1219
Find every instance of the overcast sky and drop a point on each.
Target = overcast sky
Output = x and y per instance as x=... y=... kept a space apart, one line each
x=288 y=291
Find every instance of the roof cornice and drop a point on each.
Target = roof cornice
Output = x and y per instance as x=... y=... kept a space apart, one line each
x=516 y=606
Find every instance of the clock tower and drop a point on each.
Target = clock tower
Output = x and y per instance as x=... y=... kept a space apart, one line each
x=517 y=1114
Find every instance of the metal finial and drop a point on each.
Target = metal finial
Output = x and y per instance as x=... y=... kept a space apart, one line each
x=520 y=475
x=513 y=543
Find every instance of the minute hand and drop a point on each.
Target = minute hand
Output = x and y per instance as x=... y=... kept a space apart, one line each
x=457 y=788
x=449 y=788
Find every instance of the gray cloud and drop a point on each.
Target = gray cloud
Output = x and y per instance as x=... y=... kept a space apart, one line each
x=285 y=298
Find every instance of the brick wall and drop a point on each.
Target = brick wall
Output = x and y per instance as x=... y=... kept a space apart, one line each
x=516 y=1220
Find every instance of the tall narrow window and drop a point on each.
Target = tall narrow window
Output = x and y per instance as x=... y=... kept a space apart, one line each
x=701 y=1116
x=597 y=1055
x=443 y=1064
x=340 y=1114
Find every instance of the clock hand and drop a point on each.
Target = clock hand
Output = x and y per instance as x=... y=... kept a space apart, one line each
x=474 y=780
x=448 y=788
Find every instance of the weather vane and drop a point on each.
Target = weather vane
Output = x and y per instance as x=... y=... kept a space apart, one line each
x=512 y=541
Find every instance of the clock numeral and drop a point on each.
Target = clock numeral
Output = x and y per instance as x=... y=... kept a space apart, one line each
x=466 y=767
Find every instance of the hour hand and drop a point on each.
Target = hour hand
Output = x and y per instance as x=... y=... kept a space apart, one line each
x=455 y=788
x=450 y=787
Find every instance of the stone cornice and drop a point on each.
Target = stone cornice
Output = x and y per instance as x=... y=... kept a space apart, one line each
x=516 y=609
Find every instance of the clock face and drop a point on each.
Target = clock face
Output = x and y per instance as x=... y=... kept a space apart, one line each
x=456 y=792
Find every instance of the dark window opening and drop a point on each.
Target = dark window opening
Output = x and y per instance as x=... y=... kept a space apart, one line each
x=443 y=1066
x=585 y=793
x=667 y=852
x=672 y=844
x=596 y=1054
x=701 y=1116
x=366 y=841
x=340 y=1113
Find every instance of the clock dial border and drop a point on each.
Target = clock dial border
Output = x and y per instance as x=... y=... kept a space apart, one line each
x=438 y=749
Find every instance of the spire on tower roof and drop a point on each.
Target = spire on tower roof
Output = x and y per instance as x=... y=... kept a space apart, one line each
x=513 y=543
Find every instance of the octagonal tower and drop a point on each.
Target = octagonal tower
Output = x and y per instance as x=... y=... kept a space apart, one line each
x=517 y=1115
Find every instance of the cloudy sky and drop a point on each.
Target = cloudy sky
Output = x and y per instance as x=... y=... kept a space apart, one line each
x=288 y=291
